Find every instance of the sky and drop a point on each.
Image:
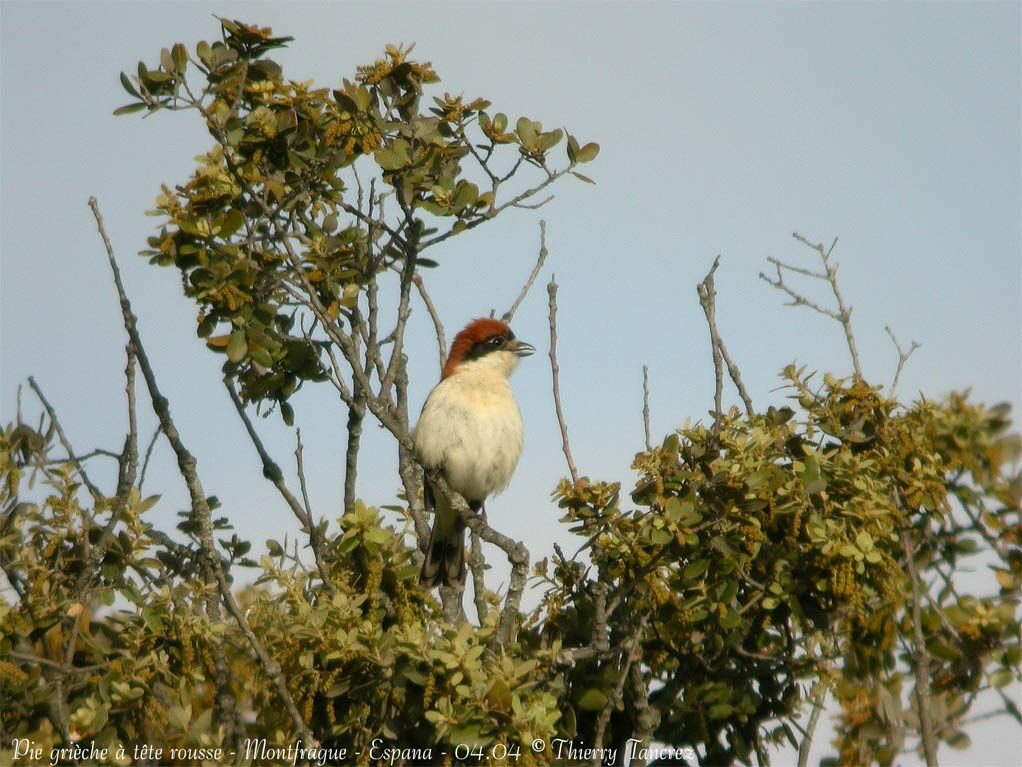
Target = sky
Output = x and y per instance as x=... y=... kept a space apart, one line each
x=723 y=128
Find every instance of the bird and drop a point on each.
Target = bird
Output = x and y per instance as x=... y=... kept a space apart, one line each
x=471 y=431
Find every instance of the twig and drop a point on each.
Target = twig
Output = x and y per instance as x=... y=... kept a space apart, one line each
x=555 y=370
x=438 y=326
x=843 y=313
x=148 y=456
x=708 y=300
x=273 y=473
x=645 y=405
x=93 y=490
x=212 y=563
x=706 y=294
x=315 y=541
x=903 y=356
x=819 y=695
x=921 y=659
x=510 y=313
x=96 y=453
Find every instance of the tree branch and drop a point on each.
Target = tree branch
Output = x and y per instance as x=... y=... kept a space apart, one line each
x=645 y=406
x=555 y=374
x=438 y=326
x=510 y=313
x=843 y=314
x=93 y=490
x=273 y=473
x=707 y=292
x=903 y=356
x=819 y=695
x=211 y=561
x=921 y=658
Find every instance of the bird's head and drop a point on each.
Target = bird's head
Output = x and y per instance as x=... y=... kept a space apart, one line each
x=486 y=344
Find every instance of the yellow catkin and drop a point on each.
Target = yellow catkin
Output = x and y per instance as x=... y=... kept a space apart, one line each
x=11 y=673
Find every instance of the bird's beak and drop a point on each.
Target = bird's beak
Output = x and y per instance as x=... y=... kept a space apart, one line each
x=522 y=349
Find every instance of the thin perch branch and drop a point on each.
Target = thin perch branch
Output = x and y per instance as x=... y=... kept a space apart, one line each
x=903 y=356
x=148 y=456
x=920 y=658
x=844 y=312
x=438 y=326
x=212 y=563
x=532 y=276
x=819 y=695
x=273 y=473
x=708 y=300
x=555 y=370
x=93 y=490
x=645 y=405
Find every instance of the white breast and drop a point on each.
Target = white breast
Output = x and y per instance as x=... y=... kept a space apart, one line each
x=471 y=427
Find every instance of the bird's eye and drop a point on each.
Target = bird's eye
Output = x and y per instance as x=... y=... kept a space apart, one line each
x=496 y=341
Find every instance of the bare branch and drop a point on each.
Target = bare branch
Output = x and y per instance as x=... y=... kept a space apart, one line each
x=708 y=300
x=645 y=405
x=212 y=564
x=903 y=356
x=555 y=374
x=798 y=299
x=844 y=312
x=647 y=718
x=477 y=563
x=148 y=456
x=510 y=313
x=629 y=654
x=438 y=326
x=800 y=270
x=921 y=658
x=273 y=473
x=93 y=490
x=356 y=417
x=818 y=696
x=535 y=205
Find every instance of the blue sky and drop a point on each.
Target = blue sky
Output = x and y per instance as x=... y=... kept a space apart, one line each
x=724 y=127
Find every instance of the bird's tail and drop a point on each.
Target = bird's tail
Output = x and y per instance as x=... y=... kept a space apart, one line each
x=445 y=556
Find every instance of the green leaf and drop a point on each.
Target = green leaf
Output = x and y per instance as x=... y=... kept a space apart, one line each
x=129 y=86
x=593 y=699
x=695 y=569
x=720 y=710
x=582 y=177
x=231 y=223
x=287 y=413
x=588 y=152
x=572 y=148
x=730 y=620
x=237 y=346
x=179 y=717
x=526 y=131
x=959 y=741
x=128 y=109
x=180 y=56
x=388 y=160
x=661 y=537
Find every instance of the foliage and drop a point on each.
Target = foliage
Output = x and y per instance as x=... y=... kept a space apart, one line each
x=769 y=555
x=274 y=176
x=761 y=561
